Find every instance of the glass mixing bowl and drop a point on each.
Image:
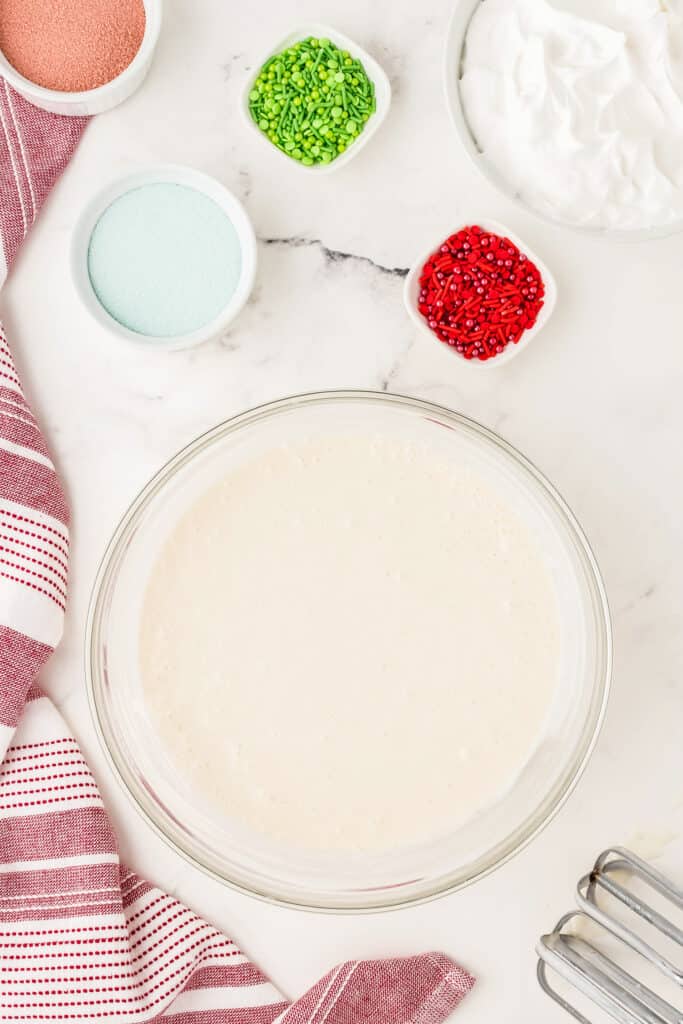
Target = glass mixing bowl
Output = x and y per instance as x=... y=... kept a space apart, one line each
x=327 y=881
x=453 y=63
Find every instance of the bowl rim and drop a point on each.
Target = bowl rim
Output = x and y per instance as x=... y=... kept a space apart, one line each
x=156 y=174
x=373 y=69
x=511 y=351
x=452 y=67
x=385 y=899
x=110 y=93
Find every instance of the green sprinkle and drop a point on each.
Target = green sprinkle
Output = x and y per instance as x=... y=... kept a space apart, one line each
x=312 y=100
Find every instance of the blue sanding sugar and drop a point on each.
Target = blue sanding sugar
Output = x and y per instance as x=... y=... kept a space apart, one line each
x=164 y=259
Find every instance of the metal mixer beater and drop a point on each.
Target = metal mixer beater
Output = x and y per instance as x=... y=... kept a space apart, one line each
x=588 y=970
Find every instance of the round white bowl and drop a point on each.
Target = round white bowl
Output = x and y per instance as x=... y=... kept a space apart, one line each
x=178 y=175
x=374 y=72
x=411 y=291
x=274 y=871
x=104 y=97
x=453 y=61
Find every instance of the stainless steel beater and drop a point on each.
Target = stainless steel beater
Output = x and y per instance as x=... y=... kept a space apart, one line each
x=594 y=974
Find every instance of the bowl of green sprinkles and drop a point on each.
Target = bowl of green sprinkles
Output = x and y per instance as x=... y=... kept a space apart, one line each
x=317 y=98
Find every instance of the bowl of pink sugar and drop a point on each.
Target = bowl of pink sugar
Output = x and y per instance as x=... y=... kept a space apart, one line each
x=76 y=58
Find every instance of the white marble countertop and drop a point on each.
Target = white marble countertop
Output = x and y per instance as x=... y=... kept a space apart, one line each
x=595 y=402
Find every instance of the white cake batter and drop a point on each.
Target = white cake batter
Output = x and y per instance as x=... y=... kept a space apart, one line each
x=350 y=644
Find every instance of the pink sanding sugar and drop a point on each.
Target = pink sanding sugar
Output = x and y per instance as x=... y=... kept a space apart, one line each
x=71 y=45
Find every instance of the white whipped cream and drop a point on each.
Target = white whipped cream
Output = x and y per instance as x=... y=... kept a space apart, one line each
x=578 y=105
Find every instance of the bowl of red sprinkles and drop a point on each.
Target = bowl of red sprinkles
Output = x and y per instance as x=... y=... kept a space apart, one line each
x=480 y=293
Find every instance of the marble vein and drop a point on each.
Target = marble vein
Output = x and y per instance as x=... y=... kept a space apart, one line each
x=332 y=256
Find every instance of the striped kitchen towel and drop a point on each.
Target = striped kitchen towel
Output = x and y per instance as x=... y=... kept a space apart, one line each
x=35 y=147
x=84 y=939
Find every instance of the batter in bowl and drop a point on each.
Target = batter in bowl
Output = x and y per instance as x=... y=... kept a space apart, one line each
x=350 y=643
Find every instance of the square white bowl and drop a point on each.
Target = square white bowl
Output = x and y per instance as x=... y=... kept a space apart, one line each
x=373 y=70
x=411 y=291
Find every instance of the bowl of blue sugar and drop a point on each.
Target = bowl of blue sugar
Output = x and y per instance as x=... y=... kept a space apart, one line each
x=165 y=257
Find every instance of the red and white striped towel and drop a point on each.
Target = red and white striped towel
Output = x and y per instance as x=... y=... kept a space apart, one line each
x=83 y=938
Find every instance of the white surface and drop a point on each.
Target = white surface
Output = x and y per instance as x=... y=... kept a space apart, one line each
x=596 y=402
x=104 y=97
x=411 y=292
x=375 y=73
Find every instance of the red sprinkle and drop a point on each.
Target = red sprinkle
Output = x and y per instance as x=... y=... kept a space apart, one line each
x=501 y=293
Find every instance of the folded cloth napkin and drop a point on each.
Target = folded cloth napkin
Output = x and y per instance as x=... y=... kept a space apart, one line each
x=83 y=938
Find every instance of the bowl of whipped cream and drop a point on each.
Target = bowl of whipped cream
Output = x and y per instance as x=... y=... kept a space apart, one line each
x=574 y=108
